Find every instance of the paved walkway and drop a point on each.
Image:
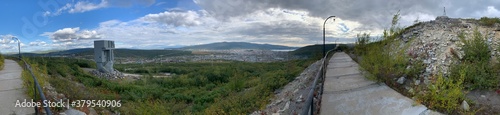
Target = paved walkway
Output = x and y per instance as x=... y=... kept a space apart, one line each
x=348 y=92
x=11 y=90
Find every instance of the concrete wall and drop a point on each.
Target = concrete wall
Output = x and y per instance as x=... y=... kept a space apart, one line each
x=103 y=55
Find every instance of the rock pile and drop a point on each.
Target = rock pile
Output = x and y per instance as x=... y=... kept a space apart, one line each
x=112 y=75
x=436 y=42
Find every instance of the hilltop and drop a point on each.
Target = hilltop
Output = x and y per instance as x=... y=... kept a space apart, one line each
x=312 y=49
x=436 y=43
x=237 y=45
x=447 y=60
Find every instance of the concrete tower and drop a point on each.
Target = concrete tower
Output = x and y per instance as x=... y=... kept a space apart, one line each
x=103 y=55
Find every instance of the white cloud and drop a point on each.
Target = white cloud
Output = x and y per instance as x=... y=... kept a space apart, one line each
x=6 y=39
x=181 y=28
x=490 y=11
x=59 y=11
x=285 y=22
x=160 y=3
x=274 y=26
x=189 y=18
x=83 y=6
x=78 y=7
x=409 y=19
x=72 y=34
x=6 y=47
x=38 y=43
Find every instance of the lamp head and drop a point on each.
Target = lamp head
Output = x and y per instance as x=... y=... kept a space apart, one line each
x=332 y=17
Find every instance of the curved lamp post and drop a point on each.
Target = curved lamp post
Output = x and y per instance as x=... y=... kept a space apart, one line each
x=18 y=46
x=324 y=48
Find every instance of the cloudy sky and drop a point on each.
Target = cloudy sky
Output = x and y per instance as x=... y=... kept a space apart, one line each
x=152 y=24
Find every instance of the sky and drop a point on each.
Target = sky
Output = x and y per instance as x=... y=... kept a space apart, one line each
x=49 y=25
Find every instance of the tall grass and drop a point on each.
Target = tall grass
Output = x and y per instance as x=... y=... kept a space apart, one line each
x=479 y=70
x=489 y=21
x=193 y=88
x=40 y=73
x=383 y=59
x=386 y=60
x=444 y=94
x=2 y=61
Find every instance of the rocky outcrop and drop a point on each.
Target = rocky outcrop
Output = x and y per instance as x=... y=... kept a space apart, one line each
x=436 y=43
x=112 y=75
x=291 y=98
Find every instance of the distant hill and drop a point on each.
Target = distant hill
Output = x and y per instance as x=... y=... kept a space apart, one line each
x=236 y=45
x=135 y=53
x=71 y=51
x=312 y=50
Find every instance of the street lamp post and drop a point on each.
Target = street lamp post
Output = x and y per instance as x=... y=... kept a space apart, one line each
x=324 y=48
x=336 y=43
x=18 y=46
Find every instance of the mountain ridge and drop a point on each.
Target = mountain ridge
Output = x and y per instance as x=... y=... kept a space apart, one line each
x=237 y=45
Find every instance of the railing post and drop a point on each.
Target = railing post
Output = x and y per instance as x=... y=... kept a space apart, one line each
x=320 y=75
x=312 y=107
x=34 y=96
x=37 y=89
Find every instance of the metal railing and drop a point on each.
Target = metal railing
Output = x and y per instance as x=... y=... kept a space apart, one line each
x=36 y=86
x=309 y=107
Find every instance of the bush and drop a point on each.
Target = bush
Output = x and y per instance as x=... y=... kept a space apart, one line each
x=489 y=21
x=195 y=88
x=1 y=61
x=379 y=62
x=39 y=71
x=361 y=41
x=383 y=60
x=444 y=94
x=479 y=71
x=476 y=49
x=477 y=75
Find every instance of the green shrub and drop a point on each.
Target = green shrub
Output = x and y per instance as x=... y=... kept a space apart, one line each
x=1 y=61
x=478 y=69
x=379 y=62
x=444 y=94
x=384 y=60
x=194 y=88
x=489 y=21
x=475 y=49
x=361 y=41
x=479 y=75
x=40 y=73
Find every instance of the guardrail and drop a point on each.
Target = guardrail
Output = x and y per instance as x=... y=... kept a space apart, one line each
x=309 y=107
x=37 y=87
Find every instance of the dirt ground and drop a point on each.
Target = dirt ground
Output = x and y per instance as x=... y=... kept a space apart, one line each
x=486 y=101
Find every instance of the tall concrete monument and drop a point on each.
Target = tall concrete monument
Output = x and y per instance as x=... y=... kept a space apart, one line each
x=103 y=55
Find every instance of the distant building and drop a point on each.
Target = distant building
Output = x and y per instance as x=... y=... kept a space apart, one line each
x=103 y=55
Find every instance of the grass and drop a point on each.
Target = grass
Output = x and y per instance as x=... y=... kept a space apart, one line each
x=2 y=61
x=194 y=88
x=386 y=62
x=383 y=59
x=479 y=70
x=444 y=94
x=361 y=41
x=28 y=82
x=489 y=21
